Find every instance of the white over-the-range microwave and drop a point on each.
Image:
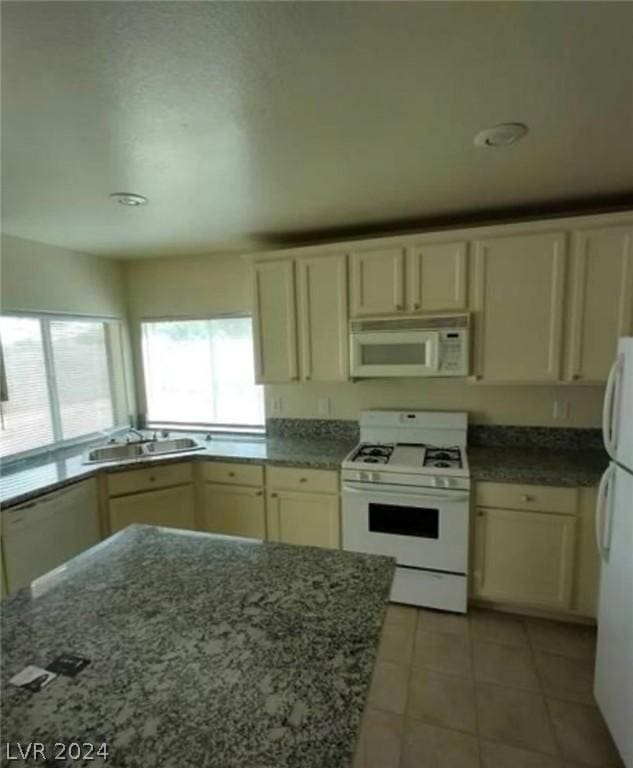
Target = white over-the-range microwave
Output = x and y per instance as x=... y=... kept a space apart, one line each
x=435 y=345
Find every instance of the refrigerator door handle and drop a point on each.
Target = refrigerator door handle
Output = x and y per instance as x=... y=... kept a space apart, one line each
x=601 y=505
x=609 y=435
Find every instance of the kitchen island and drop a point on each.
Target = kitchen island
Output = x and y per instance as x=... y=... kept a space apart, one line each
x=204 y=651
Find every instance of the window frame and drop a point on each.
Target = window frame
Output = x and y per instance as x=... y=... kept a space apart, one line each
x=175 y=426
x=120 y=406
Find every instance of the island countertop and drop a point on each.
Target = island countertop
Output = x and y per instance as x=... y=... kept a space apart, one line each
x=204 y=651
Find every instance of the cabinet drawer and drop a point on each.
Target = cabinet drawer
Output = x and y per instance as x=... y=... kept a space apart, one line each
x=120 y=483
x=539 y=498
x=323 y=480
x=231 y=473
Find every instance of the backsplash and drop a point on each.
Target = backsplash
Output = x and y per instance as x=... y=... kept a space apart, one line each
x=559 y=438
x=331 y=429
x=481 y=435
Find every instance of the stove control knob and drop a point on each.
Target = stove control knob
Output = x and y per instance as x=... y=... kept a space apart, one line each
x=440 y=482
x=451 y=482
x=375 y=477
x=364 y=476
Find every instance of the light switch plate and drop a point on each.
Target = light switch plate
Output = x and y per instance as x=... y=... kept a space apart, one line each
x=324 y=406
x=277 y=405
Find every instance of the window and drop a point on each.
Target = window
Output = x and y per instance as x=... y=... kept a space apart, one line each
x=201 y=373
x=59 y=381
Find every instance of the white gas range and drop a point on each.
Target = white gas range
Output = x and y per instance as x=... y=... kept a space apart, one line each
x=406 y=493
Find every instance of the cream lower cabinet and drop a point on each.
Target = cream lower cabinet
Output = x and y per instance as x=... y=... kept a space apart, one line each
x=232 y=499
x=163 y=495
x=311 y=519
x=171 y=507
x=525 y=545
x=303 y=507
x=233 y=510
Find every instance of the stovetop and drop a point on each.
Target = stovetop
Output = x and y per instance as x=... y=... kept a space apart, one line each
x=416 y=458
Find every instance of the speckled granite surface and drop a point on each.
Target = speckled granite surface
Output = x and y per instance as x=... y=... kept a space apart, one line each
x=333 y=429
x=537 y=466
x=31 y=478
x=205 y=651
x=522 y=458
x=547 y=438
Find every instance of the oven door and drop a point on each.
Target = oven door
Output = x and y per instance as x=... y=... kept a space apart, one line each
x=394 y=353
x=421 y=528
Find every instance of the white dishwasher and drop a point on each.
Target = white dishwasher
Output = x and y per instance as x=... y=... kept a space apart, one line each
x=42 y=534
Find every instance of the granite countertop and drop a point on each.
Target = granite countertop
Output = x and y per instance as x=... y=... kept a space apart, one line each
x=537 y=466
x=205 y=651
x=29 y=478
x=509 y=464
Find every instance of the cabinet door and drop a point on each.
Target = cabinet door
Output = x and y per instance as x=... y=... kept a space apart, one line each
x=526 y=558
x=234 y=510
x=275 y=333
x=323 y=318
x=172 y=507
x=518 y=297
x=377 y=281
x=311 y=519
x=41 y=535
x=601 y=300
x=436 y=276
x=587 y=571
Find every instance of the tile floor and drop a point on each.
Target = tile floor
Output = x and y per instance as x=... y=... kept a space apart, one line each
x=487 y=690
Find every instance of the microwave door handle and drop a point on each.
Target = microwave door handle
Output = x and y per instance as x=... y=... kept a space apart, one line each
x=418 y=496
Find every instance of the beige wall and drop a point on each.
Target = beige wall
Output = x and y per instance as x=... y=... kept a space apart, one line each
x=187 y=287
x=43 y=278
x=486 y=404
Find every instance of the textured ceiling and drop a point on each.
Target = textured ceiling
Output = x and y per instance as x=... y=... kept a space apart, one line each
x=252 y=123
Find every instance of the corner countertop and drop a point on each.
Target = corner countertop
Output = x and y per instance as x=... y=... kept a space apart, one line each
x=539 y=466
x=30 y=478
x=204 y=651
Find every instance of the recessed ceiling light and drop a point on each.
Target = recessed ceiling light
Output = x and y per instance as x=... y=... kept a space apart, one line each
x=129 y=198
x=501 y=135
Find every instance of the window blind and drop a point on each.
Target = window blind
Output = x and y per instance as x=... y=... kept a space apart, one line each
x=82 y=377
x=60 y=380
x=25 y=418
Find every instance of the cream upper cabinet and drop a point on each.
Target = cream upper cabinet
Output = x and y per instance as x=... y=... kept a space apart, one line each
x=518 y=297
x=601 y=300
x=233 y=510
x=436 y=276
x=173 y=507
x=323 y=328
x=377 y=282
x=524 y=558
x=311 y=519
x=275 y=325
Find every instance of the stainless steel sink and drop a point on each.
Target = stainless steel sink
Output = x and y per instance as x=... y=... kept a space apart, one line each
x=139 y=450
x=173 y=445
x=114 y=453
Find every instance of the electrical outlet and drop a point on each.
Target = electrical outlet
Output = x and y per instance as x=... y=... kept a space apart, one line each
x=277 y=405
x=560 y=409
x=324 y=406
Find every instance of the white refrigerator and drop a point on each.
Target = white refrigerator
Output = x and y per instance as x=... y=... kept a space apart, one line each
x=614 y=536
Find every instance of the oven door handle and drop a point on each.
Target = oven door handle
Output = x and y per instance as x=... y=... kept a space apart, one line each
x=419 y=496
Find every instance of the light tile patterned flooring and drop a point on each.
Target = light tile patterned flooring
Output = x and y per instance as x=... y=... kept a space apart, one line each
x=487 y=690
